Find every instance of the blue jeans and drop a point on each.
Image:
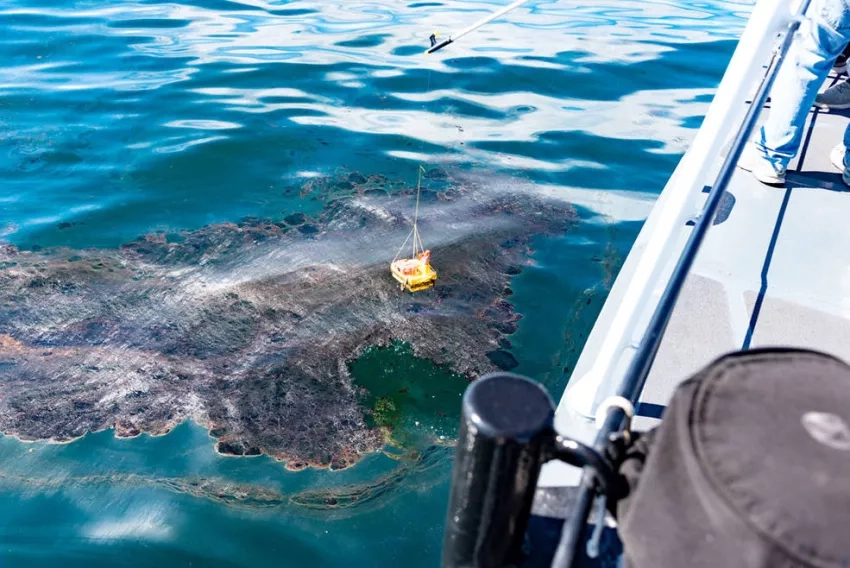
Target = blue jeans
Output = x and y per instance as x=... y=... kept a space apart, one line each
x=808 y=63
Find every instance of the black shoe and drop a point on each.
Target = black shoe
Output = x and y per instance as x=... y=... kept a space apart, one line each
x=840 y=65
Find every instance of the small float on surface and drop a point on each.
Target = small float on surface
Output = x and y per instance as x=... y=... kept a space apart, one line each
x=414 y=273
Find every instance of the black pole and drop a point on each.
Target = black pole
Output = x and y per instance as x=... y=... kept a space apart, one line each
x=437 y=46
x=506 y=429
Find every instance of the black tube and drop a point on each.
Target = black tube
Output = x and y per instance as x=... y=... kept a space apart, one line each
x=439 y=46
x=579 y=455
x=505 y=432
x=638 y=370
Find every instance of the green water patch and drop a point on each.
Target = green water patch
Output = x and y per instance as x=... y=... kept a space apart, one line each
x=417 y=402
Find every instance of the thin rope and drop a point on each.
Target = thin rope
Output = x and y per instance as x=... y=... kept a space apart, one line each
x=415 y=231
x=418 y=190
x=402 y=246
x=416 y=236
x=417 y=240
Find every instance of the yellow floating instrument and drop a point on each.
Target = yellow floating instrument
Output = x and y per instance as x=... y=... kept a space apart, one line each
x=414 y=273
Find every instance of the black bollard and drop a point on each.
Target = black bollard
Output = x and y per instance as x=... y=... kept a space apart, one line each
x=506 y=426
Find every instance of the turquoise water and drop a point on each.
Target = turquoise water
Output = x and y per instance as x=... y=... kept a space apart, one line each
x=118 y=118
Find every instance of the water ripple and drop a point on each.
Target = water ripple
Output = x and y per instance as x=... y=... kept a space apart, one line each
x=98 y=93
x=123 y=117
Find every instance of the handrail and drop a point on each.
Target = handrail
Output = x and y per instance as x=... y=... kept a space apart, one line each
x=635 y=377
x=642 y=297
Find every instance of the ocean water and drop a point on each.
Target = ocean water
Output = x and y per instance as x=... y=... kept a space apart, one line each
x=123 y=117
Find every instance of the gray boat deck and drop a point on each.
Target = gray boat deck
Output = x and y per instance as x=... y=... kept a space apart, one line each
x=773 y=270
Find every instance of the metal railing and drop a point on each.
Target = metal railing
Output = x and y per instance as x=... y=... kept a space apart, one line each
x=601 y=369
x=507 y=431
x=641 y=363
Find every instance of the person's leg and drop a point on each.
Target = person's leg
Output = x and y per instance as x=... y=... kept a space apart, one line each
x=847 y=137
x=840 y=65
x=809 y=61
x=837 y=97
x=839 y=157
